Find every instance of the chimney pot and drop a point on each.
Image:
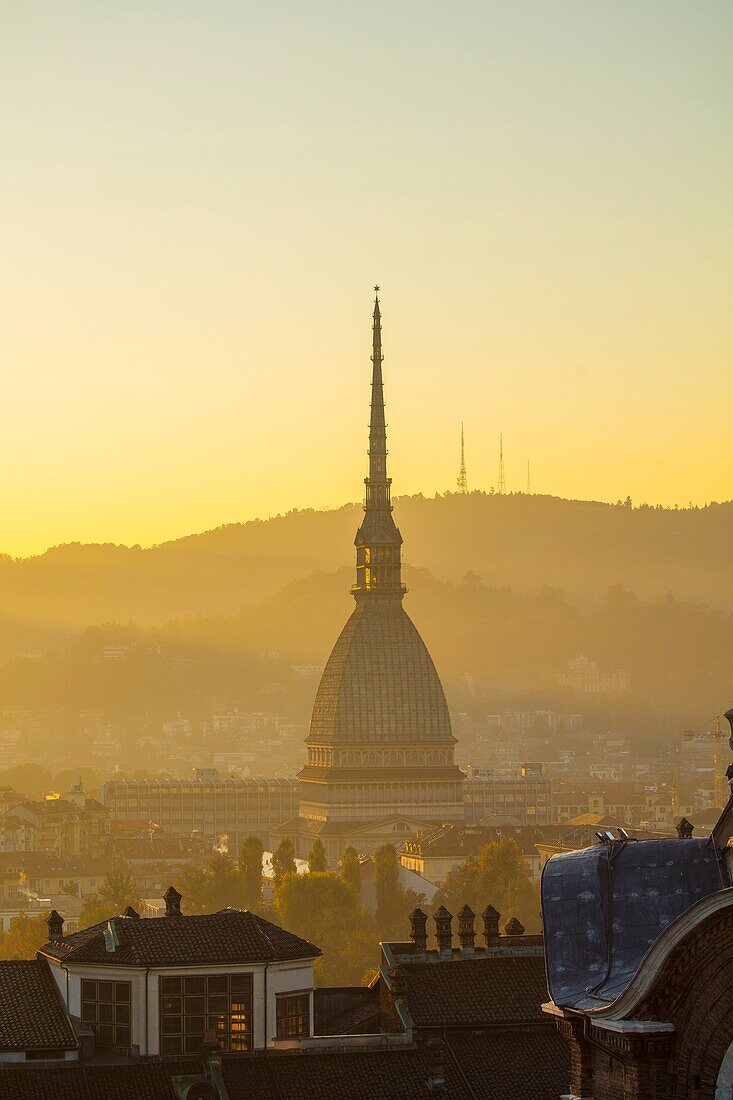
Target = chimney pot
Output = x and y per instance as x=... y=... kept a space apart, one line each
x=490 y=917
x=172 y=901
x=466 y=929
x=443 y=932
x=419 y=931
x=55 y=924
x=514 y=927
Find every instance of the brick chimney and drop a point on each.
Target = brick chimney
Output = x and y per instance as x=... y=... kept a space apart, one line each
x=443 y=932
x=514 y=927
x=466 y=930
x=436 y=1065
x=490 y=918
x=55 y=924
x=419 y=931
x=172 y=901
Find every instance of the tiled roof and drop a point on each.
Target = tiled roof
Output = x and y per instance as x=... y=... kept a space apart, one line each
x=530 y=1063
x=229 y=936
x=491 y=990
x=346 y=1075
x=521 y=1064
x=32 y=1016
x=32 y=1082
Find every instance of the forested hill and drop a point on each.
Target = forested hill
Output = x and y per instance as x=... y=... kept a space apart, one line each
x=520 y=541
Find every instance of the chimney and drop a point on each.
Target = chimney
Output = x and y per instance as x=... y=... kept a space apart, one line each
x=514 y=928
x=55 y=923
x=490 y=918
x=436 y=1065
x=172 y=901
x=466 y=930
x=684 y=828
x=419 y=931
x=443 y=933
x=131 y=913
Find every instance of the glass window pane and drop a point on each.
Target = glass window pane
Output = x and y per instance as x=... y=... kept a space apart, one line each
x=88 y=990
x=194 y=986
x=106 y=991
x=122 y=1037
x=217 y=983
x=171 y=1006
x=241 y=983
x=195 y=1005
x=218 y=1004
x=170 y=1025
x=194 y=1025
x=170 y=985
x=122 y=1014
x=122 y=991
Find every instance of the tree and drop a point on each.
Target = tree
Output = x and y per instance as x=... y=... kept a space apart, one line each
x=283 y=861
x=24 y=937
x=496 y=876
x=249 y=866
x=323 y=909
x=114 y=895
x=317 y=857
x=351 y=869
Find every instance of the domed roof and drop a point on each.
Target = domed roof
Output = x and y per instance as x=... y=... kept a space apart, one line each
x=380 y=683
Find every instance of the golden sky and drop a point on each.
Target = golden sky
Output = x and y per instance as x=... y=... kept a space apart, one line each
x=197 y=200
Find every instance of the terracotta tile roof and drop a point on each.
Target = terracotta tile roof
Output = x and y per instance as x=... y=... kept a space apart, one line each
x=32 y=1015
x=346 y=1075
x=530 y=1063
x=229 y=936
x=490 y=990
x=30 y=1082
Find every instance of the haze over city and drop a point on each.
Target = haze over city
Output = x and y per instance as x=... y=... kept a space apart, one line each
x=366 y=551
x=197 y=204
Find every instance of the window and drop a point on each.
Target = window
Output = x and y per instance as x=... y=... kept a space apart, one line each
x=293 y=1015
x=106 y=1006
x=191 y=1006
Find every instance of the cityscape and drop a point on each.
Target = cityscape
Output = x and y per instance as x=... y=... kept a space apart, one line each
x=308 y=787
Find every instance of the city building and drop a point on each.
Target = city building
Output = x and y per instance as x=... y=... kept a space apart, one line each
x=209 y=805
x=160 y=986
x=70 y=825
x=586 y=676
x=639 y=952
x=523 y=799
x=380 y=747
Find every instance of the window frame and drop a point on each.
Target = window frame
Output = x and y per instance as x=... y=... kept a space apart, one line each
x=197 y=1003
x=282 y=1019
x=114 y=1033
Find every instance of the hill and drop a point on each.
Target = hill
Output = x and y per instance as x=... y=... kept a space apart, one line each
x=525 y=542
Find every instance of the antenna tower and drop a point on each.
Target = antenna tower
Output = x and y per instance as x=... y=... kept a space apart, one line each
x=462 y=481
x=529 y=483
x=501 y=483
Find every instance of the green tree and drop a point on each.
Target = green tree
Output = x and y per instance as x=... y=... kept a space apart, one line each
x=351 y=869
x=323 y=909
x=283 y=861
x=24 y=937
x=249 y=866
x=317 y=857
x=215 y=886
x=114 y=895
x=496 y=876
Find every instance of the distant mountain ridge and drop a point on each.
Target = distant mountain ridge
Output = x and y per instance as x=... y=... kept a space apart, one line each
x=514 y=540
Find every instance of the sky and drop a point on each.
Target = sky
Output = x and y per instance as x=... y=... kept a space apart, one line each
x=198 y=198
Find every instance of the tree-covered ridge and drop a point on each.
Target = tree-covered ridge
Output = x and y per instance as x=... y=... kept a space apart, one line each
x=514 y=540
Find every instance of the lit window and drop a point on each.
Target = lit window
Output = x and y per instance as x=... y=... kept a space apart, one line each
x=293 y=1015
x=216 y=1002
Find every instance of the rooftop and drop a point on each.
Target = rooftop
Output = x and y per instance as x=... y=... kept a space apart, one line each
x=230 y=936
x=32 y=1015
x=603 y=908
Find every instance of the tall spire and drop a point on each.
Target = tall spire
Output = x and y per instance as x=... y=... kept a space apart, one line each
x=462 y=482
x=378 y=540
x=501 y=484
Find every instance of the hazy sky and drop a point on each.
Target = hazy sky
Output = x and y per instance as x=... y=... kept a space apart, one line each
x=197 y=198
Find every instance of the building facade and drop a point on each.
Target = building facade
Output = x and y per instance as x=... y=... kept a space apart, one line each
x=208 y=805
x=380 y=747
